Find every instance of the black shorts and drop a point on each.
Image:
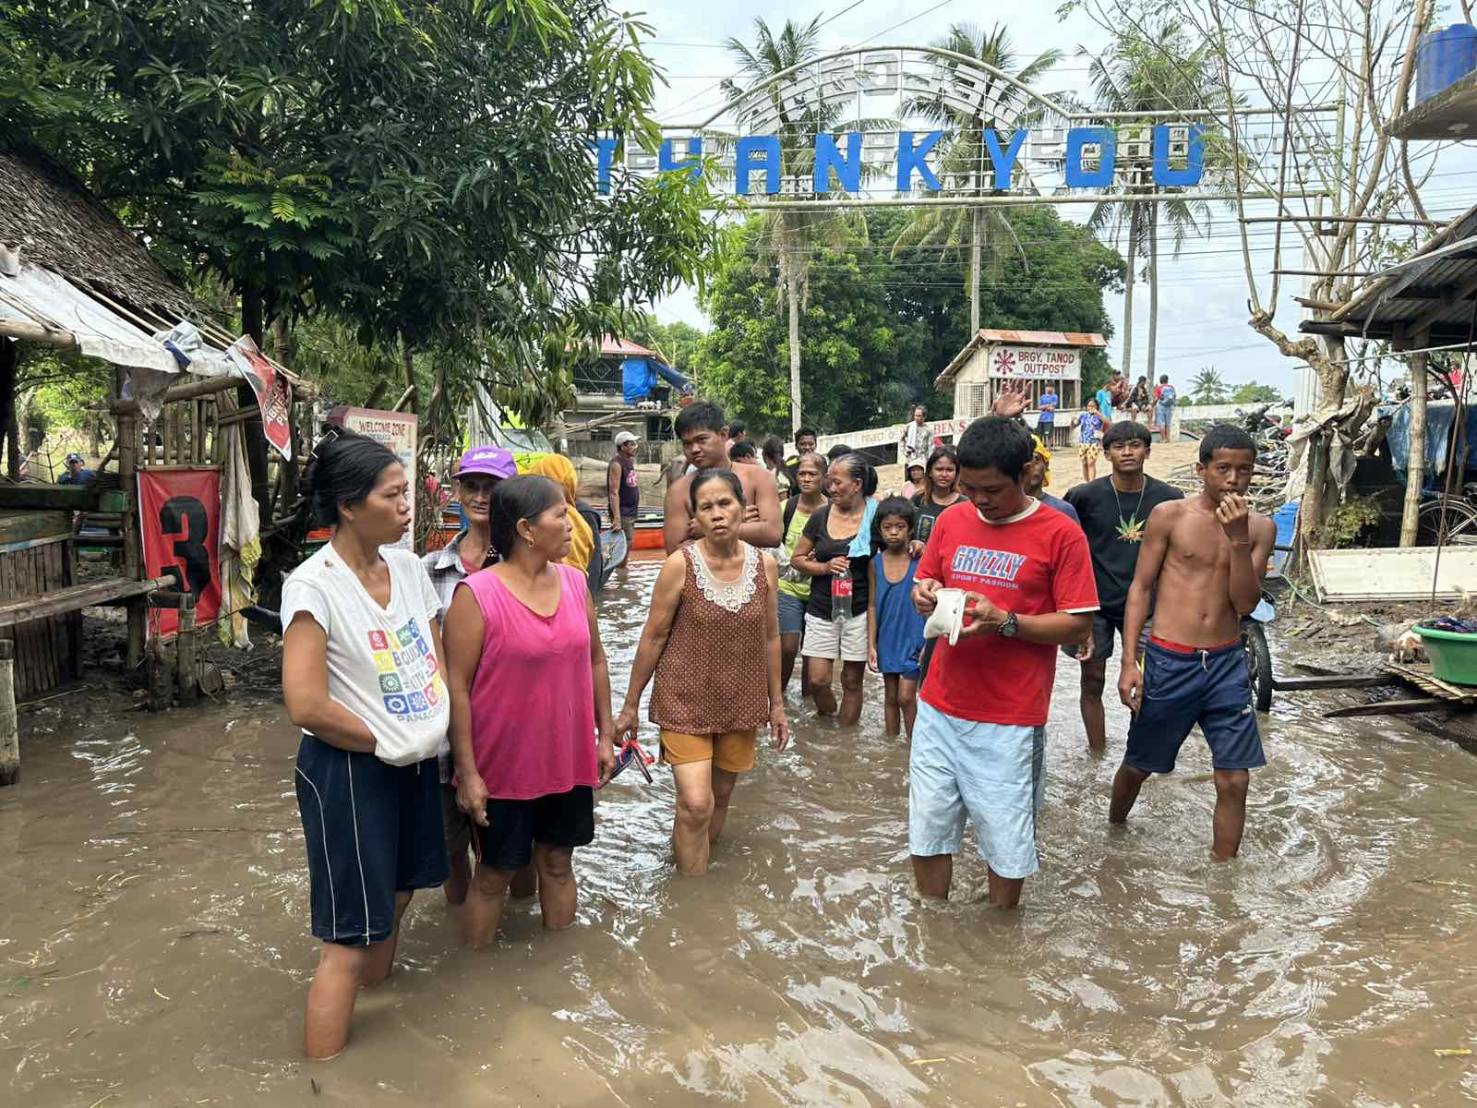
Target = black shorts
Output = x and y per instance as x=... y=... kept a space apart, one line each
x=1104 y=627
x=513 y=826
x=372 y=830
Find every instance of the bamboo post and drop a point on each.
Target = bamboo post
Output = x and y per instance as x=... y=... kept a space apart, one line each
x=10 y=740
x=132 y=550
x=184 y=648
x=1415 y=466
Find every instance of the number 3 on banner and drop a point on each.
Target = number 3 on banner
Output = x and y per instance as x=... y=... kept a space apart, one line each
x=188 y=513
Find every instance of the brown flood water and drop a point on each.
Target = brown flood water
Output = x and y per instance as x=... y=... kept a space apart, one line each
x=154 y=946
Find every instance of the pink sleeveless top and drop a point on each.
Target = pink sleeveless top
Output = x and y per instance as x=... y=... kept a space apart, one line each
x=533 y=696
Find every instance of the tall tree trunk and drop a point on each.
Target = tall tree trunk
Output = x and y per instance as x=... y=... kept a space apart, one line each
x=1151 y=350
x=793 y=293
x=407 y=372
x=976 y=256
x=253 y=323
x=1128 y=282
x=9 y=370
x=1415 y=472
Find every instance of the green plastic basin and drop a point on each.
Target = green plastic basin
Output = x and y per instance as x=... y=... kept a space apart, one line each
x=1453 y=655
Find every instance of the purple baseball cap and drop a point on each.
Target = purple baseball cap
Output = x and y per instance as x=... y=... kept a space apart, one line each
x=493 y=461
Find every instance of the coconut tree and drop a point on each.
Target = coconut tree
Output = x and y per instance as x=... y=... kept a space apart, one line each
x=788 y=239
x=1156 y=72
x=969 y=102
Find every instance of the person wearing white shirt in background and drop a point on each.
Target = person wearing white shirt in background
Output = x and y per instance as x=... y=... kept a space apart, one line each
x=362 y=676
x=917 y=439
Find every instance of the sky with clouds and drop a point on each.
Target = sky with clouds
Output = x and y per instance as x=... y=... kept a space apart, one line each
x=1202 y=299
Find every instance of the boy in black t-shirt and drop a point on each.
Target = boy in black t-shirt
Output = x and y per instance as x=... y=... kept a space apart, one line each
x=1113 y=511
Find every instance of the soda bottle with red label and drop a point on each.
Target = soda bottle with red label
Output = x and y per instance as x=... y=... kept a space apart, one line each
x=841 y=590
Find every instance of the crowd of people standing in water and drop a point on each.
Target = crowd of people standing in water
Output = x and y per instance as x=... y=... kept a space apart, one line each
x=460 y=707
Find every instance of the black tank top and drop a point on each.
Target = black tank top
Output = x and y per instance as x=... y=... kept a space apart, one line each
x=630 y=490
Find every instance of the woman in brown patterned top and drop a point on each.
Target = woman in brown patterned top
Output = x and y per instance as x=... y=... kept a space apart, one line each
x=713 y=642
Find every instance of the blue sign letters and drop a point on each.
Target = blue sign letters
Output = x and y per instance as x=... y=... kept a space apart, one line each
x=756 y=153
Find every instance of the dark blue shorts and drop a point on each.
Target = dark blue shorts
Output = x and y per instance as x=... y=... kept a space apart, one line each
x=1208 y=687
x=372 y=830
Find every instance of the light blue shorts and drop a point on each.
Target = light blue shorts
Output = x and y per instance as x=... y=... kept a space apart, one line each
x=792 y=614
x=992 y=773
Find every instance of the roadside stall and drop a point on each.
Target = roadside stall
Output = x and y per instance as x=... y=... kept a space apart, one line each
x=174 y=498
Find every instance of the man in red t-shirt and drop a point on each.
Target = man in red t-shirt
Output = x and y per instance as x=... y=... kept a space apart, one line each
x=979 y=740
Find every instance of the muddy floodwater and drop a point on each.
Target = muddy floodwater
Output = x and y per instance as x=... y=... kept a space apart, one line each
x=154 y=945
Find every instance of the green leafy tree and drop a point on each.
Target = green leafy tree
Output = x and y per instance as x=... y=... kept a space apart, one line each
x=785 y=241
x=1250 y=392
x=1208 y=387
x=1156 y=72
x=879 y=330
x=419 y=168
x=982 y=236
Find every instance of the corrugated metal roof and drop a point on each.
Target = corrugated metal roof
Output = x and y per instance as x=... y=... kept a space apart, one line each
x=1430 y=293
x=613 y=347
x=987 y=335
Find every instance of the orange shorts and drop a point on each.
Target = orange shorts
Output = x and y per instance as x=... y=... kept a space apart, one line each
x=731 y=751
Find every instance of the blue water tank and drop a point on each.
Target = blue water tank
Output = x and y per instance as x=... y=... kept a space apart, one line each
x=1443 y=57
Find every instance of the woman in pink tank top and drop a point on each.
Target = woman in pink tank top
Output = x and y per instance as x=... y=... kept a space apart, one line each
x=530 y=707
x=712 y=641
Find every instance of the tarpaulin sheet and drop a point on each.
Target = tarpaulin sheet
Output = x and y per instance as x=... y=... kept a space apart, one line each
x=1440 y=415
x=44 y=297
x=639 y=376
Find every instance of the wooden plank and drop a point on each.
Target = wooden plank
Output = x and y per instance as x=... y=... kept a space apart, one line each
x=24 y=545
x=1429 y=682
x=1389 y=708
x=20 y=526
x=1332 y=681
x=39 y=497
x=77 y=597
x=10 y=742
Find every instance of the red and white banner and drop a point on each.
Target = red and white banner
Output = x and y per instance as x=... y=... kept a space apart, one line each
x=272 y=392
x=180 y=521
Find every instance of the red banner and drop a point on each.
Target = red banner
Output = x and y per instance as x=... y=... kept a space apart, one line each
x=271 y=392
x=180 y=521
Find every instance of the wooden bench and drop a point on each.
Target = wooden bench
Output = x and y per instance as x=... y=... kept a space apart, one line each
x=94 y=594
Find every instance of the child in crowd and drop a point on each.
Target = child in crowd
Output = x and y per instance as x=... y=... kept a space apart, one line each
x=895 y=627
x=1089 y=436
x=917 y=481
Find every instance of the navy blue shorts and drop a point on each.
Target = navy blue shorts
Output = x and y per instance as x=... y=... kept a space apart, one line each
x=372 y=830
x=1208 y=687
x=513 y=826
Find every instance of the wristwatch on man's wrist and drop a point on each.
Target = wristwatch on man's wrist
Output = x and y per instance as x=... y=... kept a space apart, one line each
x=1009 y=626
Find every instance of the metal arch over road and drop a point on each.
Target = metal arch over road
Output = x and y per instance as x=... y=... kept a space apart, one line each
x=1065 y=154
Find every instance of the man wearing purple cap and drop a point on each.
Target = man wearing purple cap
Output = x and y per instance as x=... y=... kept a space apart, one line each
x=480 y=470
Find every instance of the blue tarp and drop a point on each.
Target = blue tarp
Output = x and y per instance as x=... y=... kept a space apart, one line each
x=639 y=376
x=1440 y=415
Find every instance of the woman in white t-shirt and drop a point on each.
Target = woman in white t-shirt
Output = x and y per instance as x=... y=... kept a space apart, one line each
x=362 y=676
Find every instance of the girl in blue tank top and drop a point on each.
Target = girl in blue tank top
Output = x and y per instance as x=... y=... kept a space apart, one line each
x=895 y=627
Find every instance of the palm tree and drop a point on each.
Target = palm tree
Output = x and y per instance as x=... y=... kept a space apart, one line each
x=1158 y=73
x=789 y=239
x=985 y=230
x=1207 y=386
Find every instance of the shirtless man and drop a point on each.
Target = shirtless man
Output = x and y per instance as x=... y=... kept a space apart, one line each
x=1206 y=555
x=704 y=435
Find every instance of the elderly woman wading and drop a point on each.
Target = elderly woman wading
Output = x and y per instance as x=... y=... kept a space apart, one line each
x=712 y=640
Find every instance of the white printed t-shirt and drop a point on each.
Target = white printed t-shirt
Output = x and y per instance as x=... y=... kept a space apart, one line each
x=381 y=663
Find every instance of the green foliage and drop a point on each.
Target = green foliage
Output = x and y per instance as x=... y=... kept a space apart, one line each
x=417 y=168
x=1252 y=393
x=1208 y=387
x=1351 y=523
x=877 y=328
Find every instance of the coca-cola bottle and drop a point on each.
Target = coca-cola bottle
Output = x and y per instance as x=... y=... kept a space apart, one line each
x=841 y=588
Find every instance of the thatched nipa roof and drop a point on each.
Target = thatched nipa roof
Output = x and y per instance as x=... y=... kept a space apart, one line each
x=61 y=226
